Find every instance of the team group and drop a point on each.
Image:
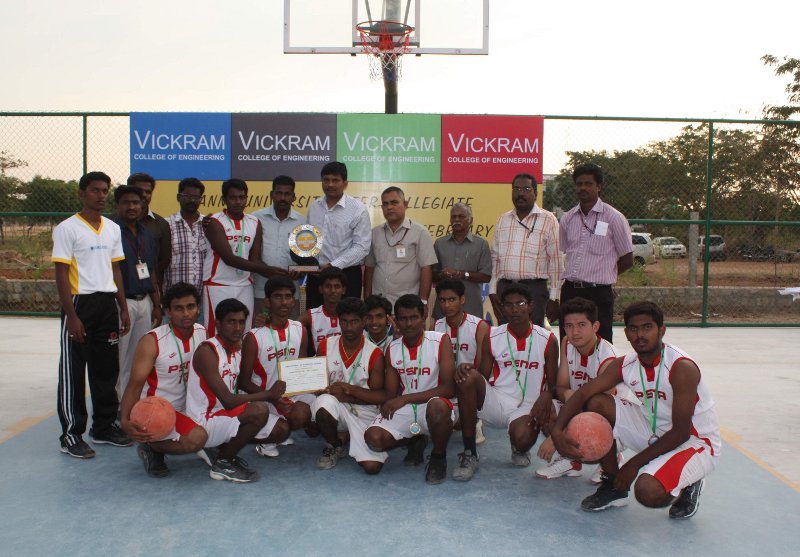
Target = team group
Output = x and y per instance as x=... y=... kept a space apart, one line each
x=391 y=382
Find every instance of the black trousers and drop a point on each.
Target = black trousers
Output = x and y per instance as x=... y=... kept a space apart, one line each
x=314 y=298
x=602 y=295
x=539 y=292
x=99 y=354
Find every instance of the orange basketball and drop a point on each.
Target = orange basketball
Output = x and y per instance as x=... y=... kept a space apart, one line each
x=592 y=433
x=155 y=414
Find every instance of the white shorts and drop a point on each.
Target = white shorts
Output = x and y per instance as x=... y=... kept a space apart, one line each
x=684 y=465
x=213 y=295
x=399 y=425
x=355 y=419
x=224 y=425
x=499 y=409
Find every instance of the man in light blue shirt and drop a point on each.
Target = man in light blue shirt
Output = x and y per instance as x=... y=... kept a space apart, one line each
x=277 y=222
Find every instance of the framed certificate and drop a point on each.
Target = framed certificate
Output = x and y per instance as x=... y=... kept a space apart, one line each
x=305 y=375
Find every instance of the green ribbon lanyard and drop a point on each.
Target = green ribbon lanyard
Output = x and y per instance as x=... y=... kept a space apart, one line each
x=419 y=368
x=180 y=350
x=275 y=343
x=651 y=409
x=240 y=249
x=355 y=365
x=458 y=333
x=522 y=387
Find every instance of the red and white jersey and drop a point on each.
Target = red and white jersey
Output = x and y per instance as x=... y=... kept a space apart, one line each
x=201 y=402
x=170 y=371
x=404 y=359
x=527 y=355
x=323 y=325
x=240 y=234
x=464 y=338
x=583 y=369
x=705 y=425
x=358 y=365
x=265 y=368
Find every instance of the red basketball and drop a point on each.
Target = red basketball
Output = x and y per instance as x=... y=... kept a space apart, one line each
x=155 y=414
x=592 y=433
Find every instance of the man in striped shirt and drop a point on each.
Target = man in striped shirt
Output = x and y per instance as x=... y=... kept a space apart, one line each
x=525 y=249
x=188 y=239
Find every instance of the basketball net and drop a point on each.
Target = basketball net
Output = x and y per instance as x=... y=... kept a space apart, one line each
x=384 y=42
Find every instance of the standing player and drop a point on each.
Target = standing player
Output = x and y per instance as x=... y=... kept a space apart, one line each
x=514 y=385
x=322 y=322
x=584 y=355
x=350 y=403
x=231 y=420
x=674 y=432
x=264 y=347
x=378 y=324
x=234 y=251
x=161 y=364
x=420 y=365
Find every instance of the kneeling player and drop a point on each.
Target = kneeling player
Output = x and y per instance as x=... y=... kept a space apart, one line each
x=231 y=420
x=513 y=387
x=420 y=365
x=161 y=361
x=378 y=324
x=674 y=431
x=350 y=403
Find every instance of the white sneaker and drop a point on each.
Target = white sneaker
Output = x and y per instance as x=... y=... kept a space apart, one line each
x=598 y=473
x=480 y=438
x=289 y=441
x=560 y=467
x=268 y=450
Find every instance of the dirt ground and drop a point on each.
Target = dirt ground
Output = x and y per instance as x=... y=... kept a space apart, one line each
x=675 y=272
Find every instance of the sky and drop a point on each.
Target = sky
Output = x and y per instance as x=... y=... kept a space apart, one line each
x=625 y=58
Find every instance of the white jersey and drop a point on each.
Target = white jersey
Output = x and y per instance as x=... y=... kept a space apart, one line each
x=289 y=339
x=354 y=369
x=414 y=378
x=583 y=369
x=464 y=338
x=521 y=369
x=201 y=402
x=323 y=325
x=170 y=371
x=241 y=234
x=705 y=425
x=383 y=344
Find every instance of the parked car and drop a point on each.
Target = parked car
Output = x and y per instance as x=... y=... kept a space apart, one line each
x=716 y=248
x=668 y=246
x=644 y=252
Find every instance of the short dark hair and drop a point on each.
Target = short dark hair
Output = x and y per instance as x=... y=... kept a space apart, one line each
x=579 y=305
x=278 y=283
x=191 y=183
x=375 y=301
x=95 y=176
x=525 y=176
x=334 y=168
x=231 y=305
x=451 y=284
x=119 y=191
x=233 y=183
x=141 y=177
x=392 y=189
x=332 y=273
x=179 y=290
x=515 y=288
x=409 y=301
x=644 y=307
x=351 y=305
x=283 y=180
x=588 y=168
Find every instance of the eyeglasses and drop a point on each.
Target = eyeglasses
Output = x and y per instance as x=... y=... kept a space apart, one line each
x=519 y=305
x=526 y=189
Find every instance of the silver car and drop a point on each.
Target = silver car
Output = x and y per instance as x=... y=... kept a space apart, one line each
x=669 y=246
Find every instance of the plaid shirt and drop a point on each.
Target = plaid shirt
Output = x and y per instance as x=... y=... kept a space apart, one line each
x=527 y=249
x=188 y=252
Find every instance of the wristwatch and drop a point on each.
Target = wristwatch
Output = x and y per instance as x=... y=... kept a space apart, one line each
x=425 y=302
x=466 y=275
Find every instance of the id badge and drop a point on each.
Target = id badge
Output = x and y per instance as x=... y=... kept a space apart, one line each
x=141 y=270
x=401 y=252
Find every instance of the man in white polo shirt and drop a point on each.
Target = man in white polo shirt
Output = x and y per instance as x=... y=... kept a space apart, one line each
x=87 y=248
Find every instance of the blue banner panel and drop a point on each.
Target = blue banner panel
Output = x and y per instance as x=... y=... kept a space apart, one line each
x=172 y=146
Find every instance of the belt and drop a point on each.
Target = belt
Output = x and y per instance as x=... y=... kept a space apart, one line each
x=525 y=281
x=137 y=297
x=581 y=284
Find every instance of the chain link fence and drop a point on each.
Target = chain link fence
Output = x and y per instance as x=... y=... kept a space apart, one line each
x=715 y=205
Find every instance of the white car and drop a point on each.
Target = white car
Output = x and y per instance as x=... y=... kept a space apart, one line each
x=644 y=252
x=667 y=246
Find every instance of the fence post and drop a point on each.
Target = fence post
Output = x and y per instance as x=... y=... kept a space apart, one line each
x=709 y=181
x=85 y=119
x=691 y=250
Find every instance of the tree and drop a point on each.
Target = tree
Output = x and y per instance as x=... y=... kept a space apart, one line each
x=50 y=195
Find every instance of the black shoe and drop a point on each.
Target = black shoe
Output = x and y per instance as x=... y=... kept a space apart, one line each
x=436 y=471
x=416 y=451
x=688 y=501
x=606 y=496
x=235 y=470
x=112 y=435
x=81 y=449
x=154 y=463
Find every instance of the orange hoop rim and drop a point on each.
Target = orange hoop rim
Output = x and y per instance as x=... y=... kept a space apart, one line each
x=383 y=39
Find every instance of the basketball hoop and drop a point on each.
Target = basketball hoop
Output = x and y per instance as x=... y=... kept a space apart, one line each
x=385 y=42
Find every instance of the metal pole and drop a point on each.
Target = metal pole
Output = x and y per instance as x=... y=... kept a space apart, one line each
x=85 y=119
x=390 y=87
x=706 y=247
